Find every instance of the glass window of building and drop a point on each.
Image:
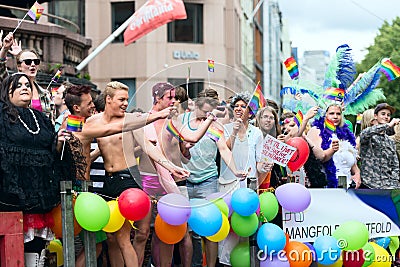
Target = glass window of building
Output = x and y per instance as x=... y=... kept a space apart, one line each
x=189 y=30
x=194 y=87
x=72 y=10
x=120 y=12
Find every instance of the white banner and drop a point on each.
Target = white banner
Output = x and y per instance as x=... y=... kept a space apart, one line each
x=276 y=151
x=331 y=207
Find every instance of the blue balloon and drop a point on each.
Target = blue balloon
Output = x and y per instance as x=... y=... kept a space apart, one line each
x=206 y=218
x=275 y=261
x=271 y=238
x=245 y=201
x=383 y=242
x=327 y=249
x=312 y=249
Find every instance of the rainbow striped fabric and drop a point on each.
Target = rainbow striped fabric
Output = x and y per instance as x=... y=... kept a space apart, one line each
x=292 y=68
x=359 y=118
x=298 y=119
x=175 y=133
x=389 y=69
x=334 y=93
x=56 y=76
x=211 y=65
x=75 y=123
x=35 y=12
x=329 y=125
x=214 y=133
x=257 y=100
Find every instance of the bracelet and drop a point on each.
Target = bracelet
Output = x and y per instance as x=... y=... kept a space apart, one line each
x=212 y=114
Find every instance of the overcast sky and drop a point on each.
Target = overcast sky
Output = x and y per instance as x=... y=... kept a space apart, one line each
x=326 y=24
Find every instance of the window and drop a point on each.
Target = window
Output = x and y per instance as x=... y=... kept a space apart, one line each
x=195 y=86
x=131 y=83
x=121 y=11
x=189 y=30
x=72 y=10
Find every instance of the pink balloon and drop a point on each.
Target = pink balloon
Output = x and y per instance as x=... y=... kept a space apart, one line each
x=300 y=156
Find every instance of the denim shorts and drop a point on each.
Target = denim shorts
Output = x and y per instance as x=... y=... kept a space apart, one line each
x=202 y=189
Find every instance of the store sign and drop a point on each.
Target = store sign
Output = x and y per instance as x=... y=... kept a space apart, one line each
x=178 y=54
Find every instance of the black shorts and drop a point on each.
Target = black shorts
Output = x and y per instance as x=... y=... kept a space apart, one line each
x=117 y=182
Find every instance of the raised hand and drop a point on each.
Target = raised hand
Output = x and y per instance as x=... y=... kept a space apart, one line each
x=16 y=48
x=8 y=41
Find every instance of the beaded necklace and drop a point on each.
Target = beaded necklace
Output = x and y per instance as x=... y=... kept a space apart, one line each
x=26 y=126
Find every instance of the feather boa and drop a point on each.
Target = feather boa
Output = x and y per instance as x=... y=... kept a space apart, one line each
x=343 y=133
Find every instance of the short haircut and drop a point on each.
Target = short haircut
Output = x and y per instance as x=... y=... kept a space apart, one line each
x=112 y=87
x=182 y=97
x=207 y=96
x=73 y=96
x=99 y=103
x=17 y=57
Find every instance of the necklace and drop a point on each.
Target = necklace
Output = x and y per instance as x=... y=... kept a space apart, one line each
x=26 y=126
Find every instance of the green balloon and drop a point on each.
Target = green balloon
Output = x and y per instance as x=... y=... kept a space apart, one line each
x=268 y=205
x=369 y=254
x=240 y=255
x=91 y=211
x=351 y=235
x=244 y=225
x=222 y=206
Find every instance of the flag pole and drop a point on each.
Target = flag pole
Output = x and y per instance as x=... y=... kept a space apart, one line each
x=187 y=82
x=19 y=22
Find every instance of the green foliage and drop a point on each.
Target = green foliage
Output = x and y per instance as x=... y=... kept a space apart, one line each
x=52 y=68
x=85 y=75
x=386 y=45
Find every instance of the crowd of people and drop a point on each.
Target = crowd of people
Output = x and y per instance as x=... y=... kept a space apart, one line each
x=191 y=147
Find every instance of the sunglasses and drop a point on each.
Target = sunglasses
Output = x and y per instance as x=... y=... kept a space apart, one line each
x=29 y=61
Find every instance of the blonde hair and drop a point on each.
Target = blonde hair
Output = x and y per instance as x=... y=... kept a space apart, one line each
x=275 y=131
x=342 y=119
x=367 y=117
x=114 y=86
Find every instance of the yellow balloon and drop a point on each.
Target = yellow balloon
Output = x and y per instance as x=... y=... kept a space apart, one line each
x=116 y=219
x=55 y=246
x=222 y=232
x=338 y=263
x=382 y=257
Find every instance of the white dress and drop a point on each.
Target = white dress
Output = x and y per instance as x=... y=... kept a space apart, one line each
x=344 y=159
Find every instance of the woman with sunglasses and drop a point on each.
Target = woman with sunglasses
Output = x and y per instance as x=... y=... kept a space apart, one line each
x=27 y=62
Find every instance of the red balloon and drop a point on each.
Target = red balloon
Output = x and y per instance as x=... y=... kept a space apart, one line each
x=300 y=156
x=353 y=258
x=134 y=204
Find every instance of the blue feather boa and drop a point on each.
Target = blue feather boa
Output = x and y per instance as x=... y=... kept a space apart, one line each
x=343 y=133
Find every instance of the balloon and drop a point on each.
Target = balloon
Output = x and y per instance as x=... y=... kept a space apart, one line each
x=225 y=196
x=268 y=205
x=223 y=231
x=369 y=254
x=327 y=249
x=298 y=254
x=300 y=156
x=245 y=201
x=240 y=255
x=57 y=227
x=91 y=211
x=55 y=246
x=174 y=208
x=293 y=197
x=353 y=258
x=244 y=226
x=169 y=234
x=222 y=206
x=382 y=241
x=351 y=235
x=312 y=249
x=338 y=263
x=206 y=218
x=382 y=257
x=134 y=204
x=116 y=219
x=271 y=238
x=275 y=261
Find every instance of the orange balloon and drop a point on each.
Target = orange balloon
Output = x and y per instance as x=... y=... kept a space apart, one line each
x=57 y=228
x=287 y=240
x=298 y=254
x=169 y=234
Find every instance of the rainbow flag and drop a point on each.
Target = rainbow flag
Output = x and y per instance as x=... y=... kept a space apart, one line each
x=54 y=91
x=211 y=65
x=334 y=93
x=292 y=68
x=257 y=101
x=75 y=123
x=35 y=12
x=214 y=133
x=389 y=69
x=329 y=125
x=56 y=76
x=359 y=118
x=171 y=128
x=298 y=119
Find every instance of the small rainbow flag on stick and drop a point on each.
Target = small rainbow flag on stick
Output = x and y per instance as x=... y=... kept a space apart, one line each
x=257 y=101
x=35 y=12
x=334 y=93
x=214 y=133
x=56 y=76
x=329 y=125
x=292 y=68
x=171 y=128
x=359 y=118
x=211 y=65
x=298 y=119
x=75 y=123
x=389 y=69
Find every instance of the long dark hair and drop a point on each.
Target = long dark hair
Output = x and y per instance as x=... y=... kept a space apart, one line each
x=7 y=87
